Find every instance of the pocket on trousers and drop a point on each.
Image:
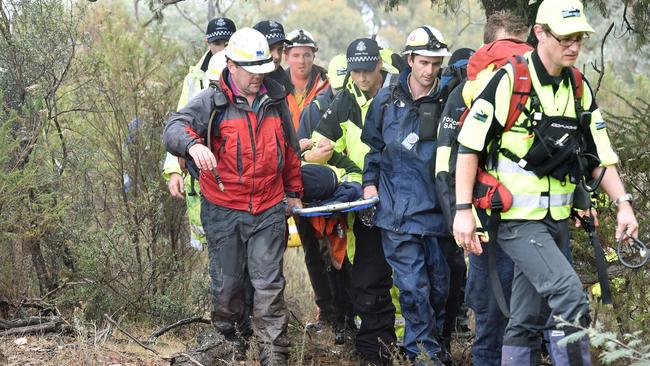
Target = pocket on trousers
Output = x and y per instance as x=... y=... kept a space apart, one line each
x=539 y=248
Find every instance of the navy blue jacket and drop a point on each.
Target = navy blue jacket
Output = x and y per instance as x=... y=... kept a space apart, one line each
x=404 y=178
x=310 y=116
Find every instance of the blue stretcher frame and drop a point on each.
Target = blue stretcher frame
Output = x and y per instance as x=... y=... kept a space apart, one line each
x=331 y=208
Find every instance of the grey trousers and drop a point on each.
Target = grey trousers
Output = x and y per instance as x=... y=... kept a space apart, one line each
x=544 y=285
x=239 y=242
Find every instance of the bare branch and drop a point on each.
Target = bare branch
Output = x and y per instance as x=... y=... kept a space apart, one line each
x=157 y=13
x=224 y=11
x=39 y=328
x=184 y=15
x=110 y=320
x=85 y=281
x=628 y=26
x=601 y=72
x=196 y=319
x=32 y=320
x=192 y=359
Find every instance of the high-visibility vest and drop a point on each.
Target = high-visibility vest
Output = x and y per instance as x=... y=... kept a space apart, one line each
x=533 y=197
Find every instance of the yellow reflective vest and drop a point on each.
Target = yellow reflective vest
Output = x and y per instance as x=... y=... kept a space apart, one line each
x=533 y=197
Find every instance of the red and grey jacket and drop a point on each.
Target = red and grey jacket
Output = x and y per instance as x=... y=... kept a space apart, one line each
x=257 y=153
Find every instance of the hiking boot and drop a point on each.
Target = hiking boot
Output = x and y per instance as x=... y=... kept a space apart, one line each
x=445 y=358
x=344 y=332
x=269 y=357
x=239 y=346
x=445 y=353
x=341 y=336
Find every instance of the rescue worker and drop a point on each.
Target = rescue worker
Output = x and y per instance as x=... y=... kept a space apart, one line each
x=333 y=303
x=307 y=79
x=309 y=117
x=534 y=231
x=217 y=34
x=368 y=274
x=400 y=131
x=274 y=33
x=490 y=323
x=243 y=213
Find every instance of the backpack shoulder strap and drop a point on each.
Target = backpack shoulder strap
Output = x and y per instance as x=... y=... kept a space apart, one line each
x=577 y=83
x=220 y=103
x=521 y=90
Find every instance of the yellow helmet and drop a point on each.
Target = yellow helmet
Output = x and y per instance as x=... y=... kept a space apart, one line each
x=426 y=41
x=336 y=71
x=216 y=65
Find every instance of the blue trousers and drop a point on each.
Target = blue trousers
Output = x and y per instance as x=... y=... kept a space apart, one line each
x=421 y=274
x=490 y=322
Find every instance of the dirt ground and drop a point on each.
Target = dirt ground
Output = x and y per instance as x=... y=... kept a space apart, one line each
x=104 y=345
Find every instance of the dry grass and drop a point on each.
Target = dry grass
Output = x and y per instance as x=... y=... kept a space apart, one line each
x=89 y=348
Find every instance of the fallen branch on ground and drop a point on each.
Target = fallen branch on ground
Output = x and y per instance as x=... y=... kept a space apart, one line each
x=192 y=359
x=163 y=330
x=32 y=320
x=51 y=326
x=110 y=320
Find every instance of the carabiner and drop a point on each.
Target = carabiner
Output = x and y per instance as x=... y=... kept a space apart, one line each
x=636 y=244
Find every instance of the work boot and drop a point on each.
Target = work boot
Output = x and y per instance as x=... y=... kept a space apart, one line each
x=344 y=331
x=445 y=357
x=520 y=352
x=573 y=354
x=269 y=356
x=239 y=345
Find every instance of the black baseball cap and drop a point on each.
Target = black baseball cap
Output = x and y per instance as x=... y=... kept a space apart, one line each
x=362 y=54
x=220 y=29
x=272 y=30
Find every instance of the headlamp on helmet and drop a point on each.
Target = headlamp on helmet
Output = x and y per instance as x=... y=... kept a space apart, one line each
x=426 y=41
x=300 y=37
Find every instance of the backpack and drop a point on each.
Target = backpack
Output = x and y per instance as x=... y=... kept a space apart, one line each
x=488 y=192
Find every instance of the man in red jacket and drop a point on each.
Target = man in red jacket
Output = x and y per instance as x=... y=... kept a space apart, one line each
x=248 y=168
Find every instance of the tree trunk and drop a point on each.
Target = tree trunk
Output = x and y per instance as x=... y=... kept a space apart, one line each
x=33 y=247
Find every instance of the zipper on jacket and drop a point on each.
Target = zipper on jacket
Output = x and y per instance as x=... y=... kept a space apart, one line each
x=279 y=148
x=240 y=164
x=250 y=132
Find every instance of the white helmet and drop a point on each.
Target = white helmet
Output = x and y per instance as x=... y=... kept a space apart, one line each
x=249 y=49
x=300 y=37
x=426 y=41
x=216 y=65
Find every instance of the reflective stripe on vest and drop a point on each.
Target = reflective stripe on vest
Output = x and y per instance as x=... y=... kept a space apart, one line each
x=535 y=198
x=532 y=197
x=542 y=201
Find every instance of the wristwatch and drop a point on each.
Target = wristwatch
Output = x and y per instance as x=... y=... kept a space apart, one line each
x=292 y=194
x=624 y=198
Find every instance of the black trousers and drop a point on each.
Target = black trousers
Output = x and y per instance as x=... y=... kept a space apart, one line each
x=317 y=268
x=457 y=278
x=370 y=280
